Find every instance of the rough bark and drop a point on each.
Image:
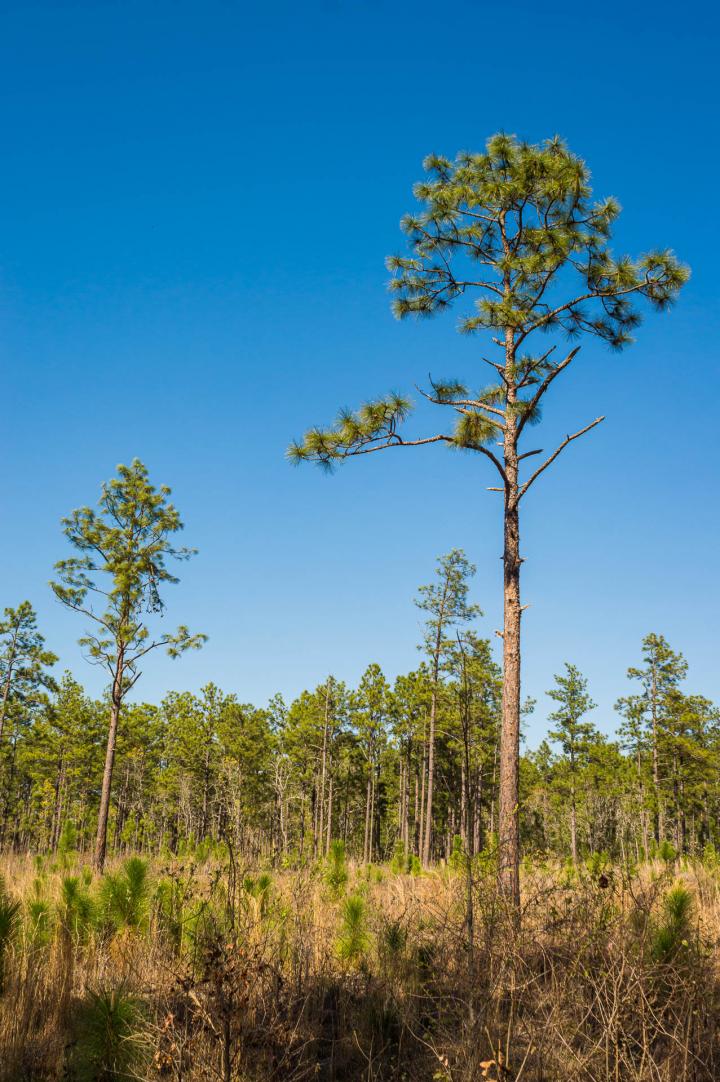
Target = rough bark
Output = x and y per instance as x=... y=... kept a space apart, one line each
x=508 y=811
x=104 y=809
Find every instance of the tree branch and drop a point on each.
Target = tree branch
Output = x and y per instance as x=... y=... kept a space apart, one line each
x=397 y=441
x=555 y=371
x=593 y=295
x=553 y=456
x=496 y=462
x=473 y=403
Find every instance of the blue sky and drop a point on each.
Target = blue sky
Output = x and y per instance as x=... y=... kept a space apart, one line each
x=197 y=200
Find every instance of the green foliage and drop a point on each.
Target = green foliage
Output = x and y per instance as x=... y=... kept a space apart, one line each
x=513 y=235
x=473 y=205
x=710 y=857
x=398 y=863
x=672 y=935
x=458 y=857
x=571 y=732
x=569 y=875
x=667 y=852
x=9 y=923
x=128 y=542
x=597 y=864
x=259 y=890
x=125 y=896
x=203 y=850
x=39 y=923
x=336 y=870
x=353 y=939
x=77 y=909
x=67 y=842
x=24 y=660
x=110 y=1042
x=168 y=901
x=393 y=944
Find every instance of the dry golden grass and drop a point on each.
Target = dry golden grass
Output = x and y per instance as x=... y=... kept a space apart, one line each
x=601 y=983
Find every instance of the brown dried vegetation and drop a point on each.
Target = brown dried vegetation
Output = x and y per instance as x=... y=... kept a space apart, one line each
x=217 y=972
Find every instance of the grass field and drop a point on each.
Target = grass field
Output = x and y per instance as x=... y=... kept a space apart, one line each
x=206 y=969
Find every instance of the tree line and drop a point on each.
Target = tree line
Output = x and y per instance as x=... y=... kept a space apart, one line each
x=404 y=770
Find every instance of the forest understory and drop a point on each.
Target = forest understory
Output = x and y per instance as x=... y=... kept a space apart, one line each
x=203 y=967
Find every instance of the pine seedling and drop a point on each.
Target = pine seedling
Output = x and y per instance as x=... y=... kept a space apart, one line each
x=336 y=871
x=353 y=941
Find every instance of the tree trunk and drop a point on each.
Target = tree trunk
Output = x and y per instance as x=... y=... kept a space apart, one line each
x=366 y=844
x=328 y=829
x=421 y=829
x=508 y=817
x=104 y=809
x=323 y=768
x=657 y=814
x=427 y=840
x=573 y=824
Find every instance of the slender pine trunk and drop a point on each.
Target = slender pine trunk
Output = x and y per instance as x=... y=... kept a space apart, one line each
x=427 y=840
x=508 y=812
x=104 y=809
x=328 y=829
x=366 y=844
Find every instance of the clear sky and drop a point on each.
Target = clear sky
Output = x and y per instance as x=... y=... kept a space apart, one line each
x=196 y=201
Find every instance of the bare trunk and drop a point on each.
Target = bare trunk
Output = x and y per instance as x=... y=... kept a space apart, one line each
x=372 y=819
x=57 y=809
x=416 y=811
x=328 y=837
x=104 y=809
x=366 y=844
x=323 y=768
x=206 y=791
x=508 y=812
x=658 y=824
x=427 y=840
x=421 y=831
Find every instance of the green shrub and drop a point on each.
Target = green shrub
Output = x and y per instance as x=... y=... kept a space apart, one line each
x=353 y=941
x=336 y=870
x=710 y=857
x=672 y=935
x=458 y=857
x=259 y=890
x=38 y=923
x=77 y=910
x=399 y=862
x=667 y=852
x=9 y=920
x=392 y=944
x=168 y=901
x=203 y=850
x=125 y=896
x=597 y=864
x=68 y=838
x=110 y=1045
